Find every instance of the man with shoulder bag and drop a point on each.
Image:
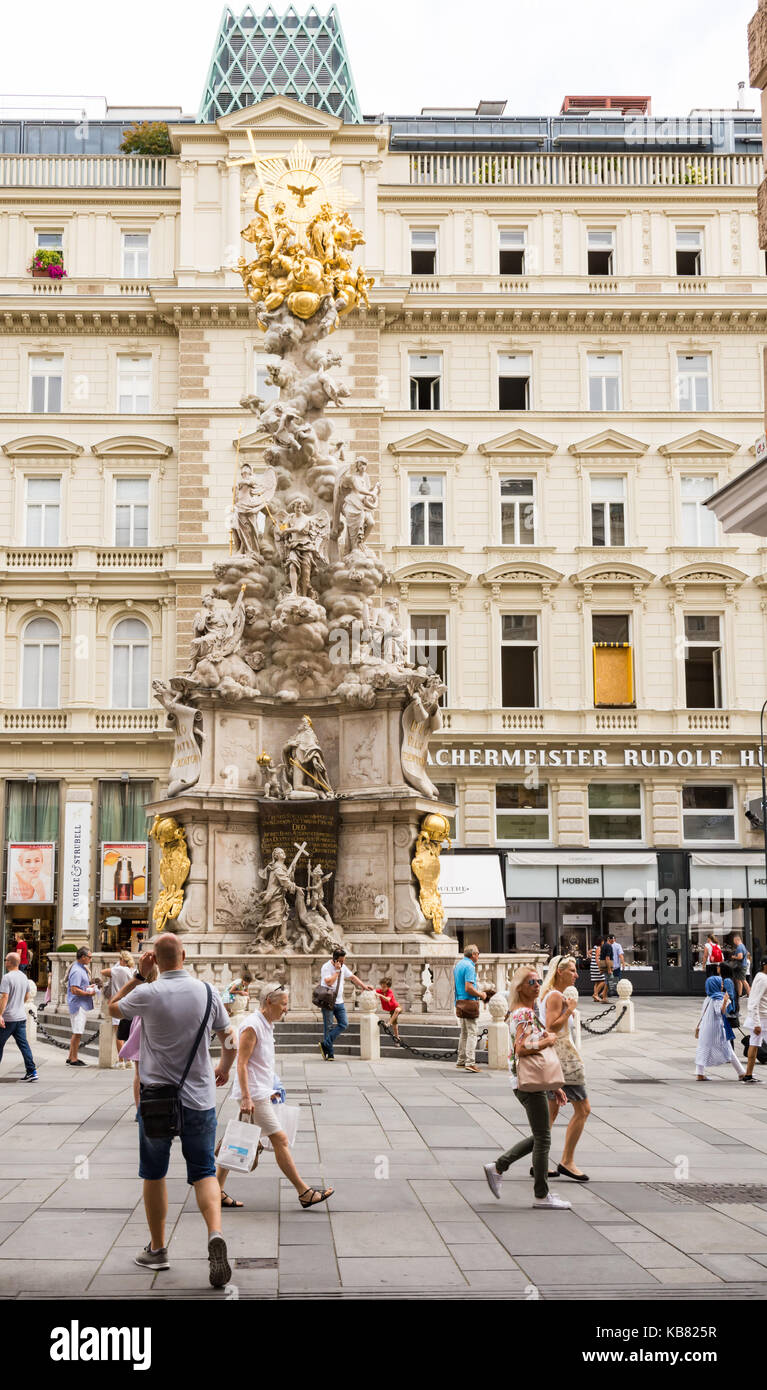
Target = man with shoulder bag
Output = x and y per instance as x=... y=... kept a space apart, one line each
x=178 y=1092
x=328 y=995
x=467 y=998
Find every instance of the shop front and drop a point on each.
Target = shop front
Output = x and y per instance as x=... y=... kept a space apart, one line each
x=30 y=899
x=122 y=913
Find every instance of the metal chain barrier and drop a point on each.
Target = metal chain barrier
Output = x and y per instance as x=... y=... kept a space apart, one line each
x=84 y=1039
x=600 y=1032
x=419 y=1052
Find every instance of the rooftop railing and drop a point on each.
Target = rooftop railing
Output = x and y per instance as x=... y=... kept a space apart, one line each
x=86 y=171
x=588 y=170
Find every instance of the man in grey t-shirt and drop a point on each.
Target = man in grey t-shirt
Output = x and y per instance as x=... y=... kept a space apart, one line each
x=171 y=1011
x=14 y=992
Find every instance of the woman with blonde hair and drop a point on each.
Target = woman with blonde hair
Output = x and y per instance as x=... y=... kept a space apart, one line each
x=556 y=1012
x=530 y=1037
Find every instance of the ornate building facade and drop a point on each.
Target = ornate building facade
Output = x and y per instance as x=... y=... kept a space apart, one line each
x=561 y=361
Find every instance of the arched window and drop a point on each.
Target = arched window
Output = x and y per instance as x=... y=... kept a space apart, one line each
x=130 y=664
x=41 y=647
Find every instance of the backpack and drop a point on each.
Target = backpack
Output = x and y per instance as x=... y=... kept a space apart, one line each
x=716 y=956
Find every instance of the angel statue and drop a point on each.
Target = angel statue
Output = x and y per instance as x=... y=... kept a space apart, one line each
x=355 y=500
x=251 y=498
x=216 y=662
x=301 y=537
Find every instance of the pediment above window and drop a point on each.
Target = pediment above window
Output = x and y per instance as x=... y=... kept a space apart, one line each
x=517 y=442
x=429 y=442
x=127 y=446
x=253 y=443
x=699 y=444
x=632 y=577
x=608 y=444
x=282 y=112
x=449 y=578
x=722 y=577
x=507 y=575
x=44 y=449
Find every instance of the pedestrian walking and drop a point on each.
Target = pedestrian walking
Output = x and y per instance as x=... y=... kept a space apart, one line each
x=555 y=1012
x=254 y=1091
x=331 y=990
x=80 y=992
x=467 y=1000
x=178 y=1092
x=618 y=959
x=712 y=953
x=597 y=972
x=756 y=1018
x=389 y=1004
x=131 y=1048
x=114 y=977
x=535 y=1070
x=714 y=1049
x=14 y=993
x=22 y=951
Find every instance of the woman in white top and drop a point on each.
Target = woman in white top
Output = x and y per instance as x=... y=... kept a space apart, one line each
x=254 y=1090
x=556 y=1012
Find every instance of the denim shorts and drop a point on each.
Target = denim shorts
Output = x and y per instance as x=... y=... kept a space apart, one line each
x=197 y=1144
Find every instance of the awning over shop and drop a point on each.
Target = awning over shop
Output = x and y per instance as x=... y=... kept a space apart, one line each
x=741 y=875
x=471 y=886
x=563 y=874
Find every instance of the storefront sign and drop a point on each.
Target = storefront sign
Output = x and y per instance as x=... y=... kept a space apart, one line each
x=76 y=869
x=565 y=874
x=30 y=876
x=471 y=886
x=580 y=883
x=123 y=872
x=590 y=757
x=757 y=883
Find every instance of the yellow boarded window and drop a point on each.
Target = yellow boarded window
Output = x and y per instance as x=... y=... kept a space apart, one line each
x=613 y=673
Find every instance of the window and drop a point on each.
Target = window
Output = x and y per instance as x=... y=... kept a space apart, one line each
x=615 y=811
x=600 y=252
x=517 y=511
x=43 y=510
x=514 y=373
x=428 y=643
x=519 y=660
x=423 y=251
x=131 y=511
x=522 y=813
x=613 y=659
x=693 y=381
x=448 y=793
x=49 y=241
x=134 y=385
x=689 y=252
x=425 y=380
x=708 y=813
x=702 y=662
x=40 y=665
x=604 y=376
x=698 y=523
x=511 y=252
x=122 y=810
x=427 y=509
x=46 y=376
x=608 y=511
x=135 y=254
x=130 y=664
x=262 y=385
x=31 y=811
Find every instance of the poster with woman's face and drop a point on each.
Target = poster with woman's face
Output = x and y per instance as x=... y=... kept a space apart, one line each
x=30 y=872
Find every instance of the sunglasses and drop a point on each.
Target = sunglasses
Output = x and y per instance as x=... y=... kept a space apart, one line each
x=536 y=983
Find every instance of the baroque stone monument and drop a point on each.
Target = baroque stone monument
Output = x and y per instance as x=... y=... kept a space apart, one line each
x=299 y=772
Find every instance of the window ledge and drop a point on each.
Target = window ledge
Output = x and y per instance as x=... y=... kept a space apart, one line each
x=614 y=551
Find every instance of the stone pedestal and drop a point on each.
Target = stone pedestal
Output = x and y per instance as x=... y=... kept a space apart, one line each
x=370 y=1033
x=627 y=1023
x=498 y=1037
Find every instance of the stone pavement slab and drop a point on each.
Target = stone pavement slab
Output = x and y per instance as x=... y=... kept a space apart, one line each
x=403 y=1142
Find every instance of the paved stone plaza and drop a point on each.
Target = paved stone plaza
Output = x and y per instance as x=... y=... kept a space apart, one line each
x=404 y=1142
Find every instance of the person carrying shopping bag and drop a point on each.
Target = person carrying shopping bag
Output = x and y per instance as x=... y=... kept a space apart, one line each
x=535 y=1071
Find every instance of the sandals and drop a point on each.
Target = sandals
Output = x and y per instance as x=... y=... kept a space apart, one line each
x=311 y=1197
x=229 y=1204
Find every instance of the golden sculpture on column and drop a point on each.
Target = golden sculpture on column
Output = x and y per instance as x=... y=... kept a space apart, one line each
x=434 y=833
x=174 y=869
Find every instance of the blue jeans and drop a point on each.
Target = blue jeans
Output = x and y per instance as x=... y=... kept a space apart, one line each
x=197 y=1144
x=18 y=1031
x=342 y=1023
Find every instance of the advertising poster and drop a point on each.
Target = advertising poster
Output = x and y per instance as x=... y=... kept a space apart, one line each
x=75 y=879
x=123 y=872
x=31 y=872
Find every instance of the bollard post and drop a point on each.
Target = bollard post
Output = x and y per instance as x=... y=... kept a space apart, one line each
x=370 y=1033
x=628 y=1023
x=575 y=1022
x=31 y=1014
x=106 y=1042
x=498 y=1042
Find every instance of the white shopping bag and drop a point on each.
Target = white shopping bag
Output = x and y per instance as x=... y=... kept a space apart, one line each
x=287 y=1117
x=239 y=1146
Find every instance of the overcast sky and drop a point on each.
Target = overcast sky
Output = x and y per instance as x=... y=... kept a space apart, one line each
x=405 y=53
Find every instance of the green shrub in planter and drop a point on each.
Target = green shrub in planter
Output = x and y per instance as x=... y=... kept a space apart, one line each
x=147 y=137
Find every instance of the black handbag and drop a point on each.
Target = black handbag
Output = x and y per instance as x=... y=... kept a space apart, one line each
x=160 y=1108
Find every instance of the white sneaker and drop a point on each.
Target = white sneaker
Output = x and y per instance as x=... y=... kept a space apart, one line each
x=552 y=1203
x=493 y=1179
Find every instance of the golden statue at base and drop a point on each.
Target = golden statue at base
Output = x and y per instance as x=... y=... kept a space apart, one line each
x=434 y=833
x=174 y=869
x=303 y=238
